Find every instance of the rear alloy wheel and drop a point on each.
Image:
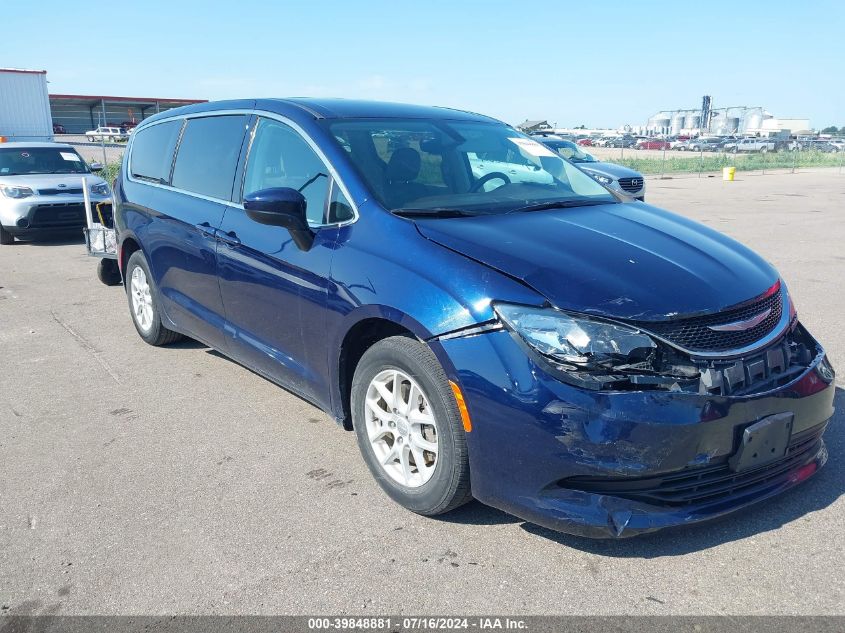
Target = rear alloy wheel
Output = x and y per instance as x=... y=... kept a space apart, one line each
x=6 y=237
x=143 y=303
x=408 y=426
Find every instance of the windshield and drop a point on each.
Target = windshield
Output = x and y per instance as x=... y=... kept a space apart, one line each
x=571 y=152
x=463 y=167
x=20 y=161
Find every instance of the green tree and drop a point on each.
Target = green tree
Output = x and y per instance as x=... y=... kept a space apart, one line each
x=832 y=129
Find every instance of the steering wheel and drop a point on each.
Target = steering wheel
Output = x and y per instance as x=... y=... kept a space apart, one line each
x=487 y=178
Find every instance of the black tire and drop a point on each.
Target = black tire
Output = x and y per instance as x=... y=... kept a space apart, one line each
x=108 y=272
x=6 y=238
x=156 y=334
x=449 y=485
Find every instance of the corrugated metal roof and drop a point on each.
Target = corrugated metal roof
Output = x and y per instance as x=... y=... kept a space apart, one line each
x=90 y=99
x=23 y=70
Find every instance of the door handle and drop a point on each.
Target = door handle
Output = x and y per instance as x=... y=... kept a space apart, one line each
x=206 y=229
x=231 y=238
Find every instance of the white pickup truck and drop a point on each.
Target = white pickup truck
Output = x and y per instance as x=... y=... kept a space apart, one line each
x=110 y=134
x=761 y=145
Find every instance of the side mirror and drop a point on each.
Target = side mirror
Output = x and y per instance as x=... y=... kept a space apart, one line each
x=281 y=206
x=95 y=167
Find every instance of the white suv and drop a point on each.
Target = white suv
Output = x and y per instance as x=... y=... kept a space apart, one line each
x=41 y=190
x=112 y=134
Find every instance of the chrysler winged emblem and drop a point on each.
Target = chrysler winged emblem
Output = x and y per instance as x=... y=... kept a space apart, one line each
x=741 y=326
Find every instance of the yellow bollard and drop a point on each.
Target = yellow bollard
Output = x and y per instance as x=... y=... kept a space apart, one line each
x=728 y=173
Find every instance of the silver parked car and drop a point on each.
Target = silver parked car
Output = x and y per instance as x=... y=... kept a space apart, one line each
x=616 y=177
x=41 y=189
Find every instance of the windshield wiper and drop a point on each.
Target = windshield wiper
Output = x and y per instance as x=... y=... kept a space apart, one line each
x=432 y=213
x=560 y=204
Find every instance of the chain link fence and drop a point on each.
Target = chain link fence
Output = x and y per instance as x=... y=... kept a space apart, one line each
x=757 y=155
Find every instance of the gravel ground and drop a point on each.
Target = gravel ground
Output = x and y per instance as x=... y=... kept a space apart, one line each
x=137 y=480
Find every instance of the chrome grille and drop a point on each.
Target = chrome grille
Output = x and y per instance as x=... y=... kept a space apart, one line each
x=631 y=185
x=58 y=215
x=693 y=334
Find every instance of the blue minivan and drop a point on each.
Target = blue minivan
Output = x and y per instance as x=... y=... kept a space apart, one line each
x=590 y=364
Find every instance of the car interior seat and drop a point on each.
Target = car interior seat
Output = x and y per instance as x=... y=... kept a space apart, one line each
x=403 y=169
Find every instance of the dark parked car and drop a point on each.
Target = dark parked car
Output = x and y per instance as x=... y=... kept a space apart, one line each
x=621 y=141
x=726 y=140
x=784 y=144
x=704 y=144
x=825 y=147
x=592 y=365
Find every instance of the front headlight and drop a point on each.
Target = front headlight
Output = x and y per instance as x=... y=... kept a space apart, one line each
x=565 y=338
x=605 y=180
x=101 y=189
x=15 y=192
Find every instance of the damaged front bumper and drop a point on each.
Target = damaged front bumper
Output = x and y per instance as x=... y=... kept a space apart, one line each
x=620 y=463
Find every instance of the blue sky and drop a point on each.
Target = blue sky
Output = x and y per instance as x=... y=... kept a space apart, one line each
x=594 y=63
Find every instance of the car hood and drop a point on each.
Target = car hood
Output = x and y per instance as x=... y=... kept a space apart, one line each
x=50 y=181
x=626 y=261
x=611 y=170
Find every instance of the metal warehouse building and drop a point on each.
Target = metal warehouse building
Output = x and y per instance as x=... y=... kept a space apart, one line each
x=80 y=113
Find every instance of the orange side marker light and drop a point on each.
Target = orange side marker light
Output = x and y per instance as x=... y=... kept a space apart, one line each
x=462 y=406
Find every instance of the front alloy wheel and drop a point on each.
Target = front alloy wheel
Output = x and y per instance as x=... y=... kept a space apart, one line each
x=409 y=429
x=401 y=428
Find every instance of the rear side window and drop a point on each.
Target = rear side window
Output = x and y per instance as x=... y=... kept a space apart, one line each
x=208 y=155
x=152 y=151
